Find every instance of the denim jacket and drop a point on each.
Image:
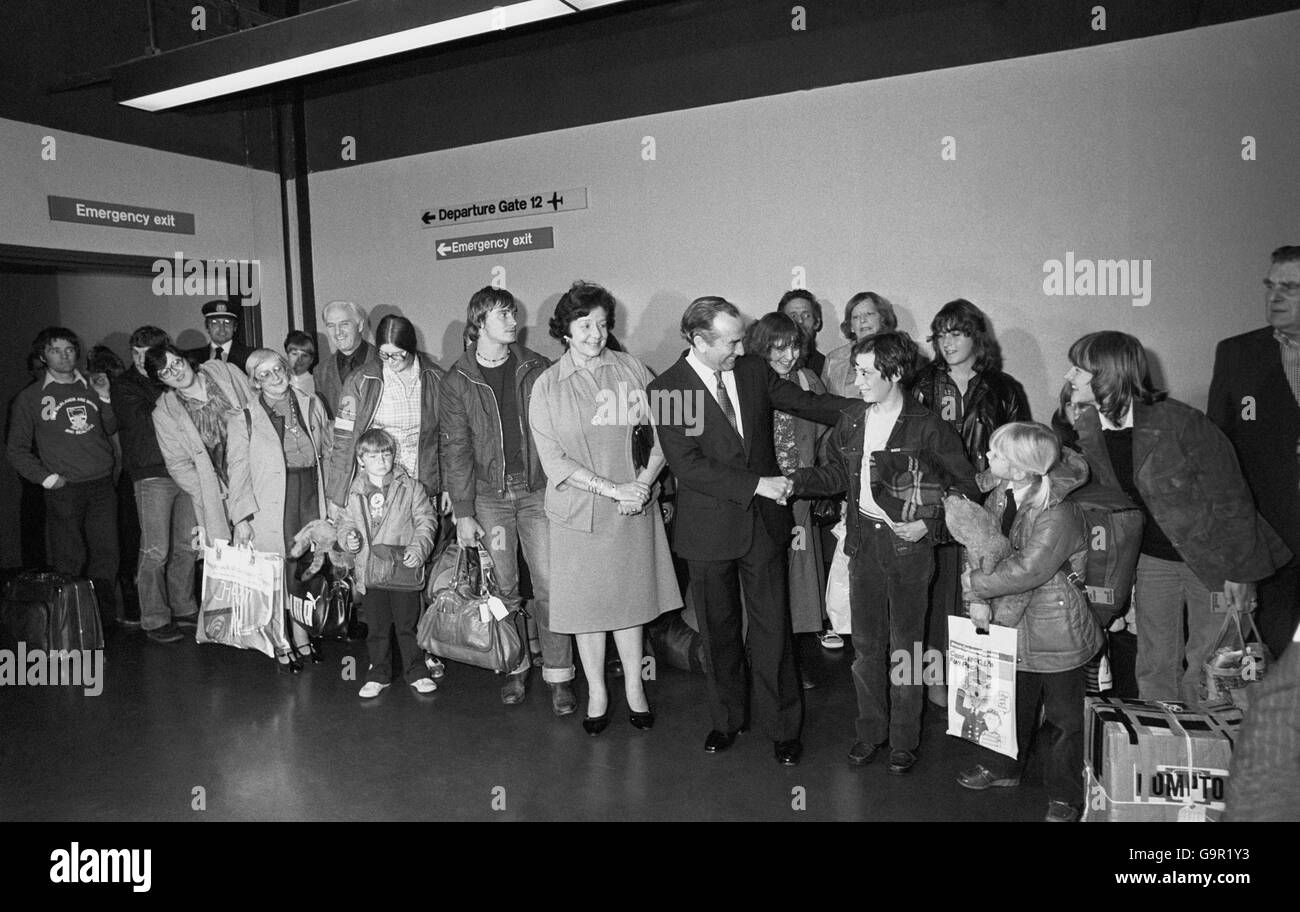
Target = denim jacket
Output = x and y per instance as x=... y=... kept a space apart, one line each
x=917 y=429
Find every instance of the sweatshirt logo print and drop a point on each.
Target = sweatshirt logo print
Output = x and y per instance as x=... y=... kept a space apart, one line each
x=77 y=419
x=77 y=410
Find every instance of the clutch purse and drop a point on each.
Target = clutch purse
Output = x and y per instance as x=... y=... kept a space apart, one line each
x=643 y=444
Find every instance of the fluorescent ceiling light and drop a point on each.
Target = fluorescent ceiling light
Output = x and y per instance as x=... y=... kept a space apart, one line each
x=303 y=45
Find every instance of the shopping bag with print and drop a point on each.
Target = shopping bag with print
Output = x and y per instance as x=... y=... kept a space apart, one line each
x=243 y=599
x=982 y=685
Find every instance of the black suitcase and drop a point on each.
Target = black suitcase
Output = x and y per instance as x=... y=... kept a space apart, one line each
x=50 y=611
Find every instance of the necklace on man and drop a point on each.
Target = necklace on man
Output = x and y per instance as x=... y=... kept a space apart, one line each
x=492 y=362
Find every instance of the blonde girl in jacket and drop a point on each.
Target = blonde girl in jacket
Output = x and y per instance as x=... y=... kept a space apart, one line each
x=386 y=510
x=1056 y=633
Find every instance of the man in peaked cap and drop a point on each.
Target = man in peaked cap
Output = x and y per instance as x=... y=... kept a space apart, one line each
x=221 y=319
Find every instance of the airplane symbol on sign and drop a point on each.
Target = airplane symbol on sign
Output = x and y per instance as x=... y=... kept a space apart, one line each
x=556 y=201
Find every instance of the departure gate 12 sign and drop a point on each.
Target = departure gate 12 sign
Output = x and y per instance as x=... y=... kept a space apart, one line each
x=495 y=244
x=119 y=215
x=541 y=203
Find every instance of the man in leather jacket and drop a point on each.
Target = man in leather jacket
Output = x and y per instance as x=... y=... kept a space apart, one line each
x=964 y=386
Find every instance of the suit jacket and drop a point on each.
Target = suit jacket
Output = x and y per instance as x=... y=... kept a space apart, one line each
x=716 y=470
x=238 y=354
x=1252 y=403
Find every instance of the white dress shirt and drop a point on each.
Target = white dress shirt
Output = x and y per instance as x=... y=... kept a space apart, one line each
x=710 y=380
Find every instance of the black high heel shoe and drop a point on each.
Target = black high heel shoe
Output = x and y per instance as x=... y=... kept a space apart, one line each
x=292 y=665
x=642 y=721
x=594 y=725
x=313 y=644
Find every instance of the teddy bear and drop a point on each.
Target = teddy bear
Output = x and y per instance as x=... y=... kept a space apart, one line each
x=986 y=547
x=321 y=537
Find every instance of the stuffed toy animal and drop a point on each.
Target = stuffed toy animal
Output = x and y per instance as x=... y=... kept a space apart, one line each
x=986 y=546
x=321 y=538
x=973 y=526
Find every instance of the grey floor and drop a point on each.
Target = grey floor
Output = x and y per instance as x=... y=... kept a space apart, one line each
x=183 y=725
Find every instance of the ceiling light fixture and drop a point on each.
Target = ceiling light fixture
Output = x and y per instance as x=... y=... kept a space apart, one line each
x=348 y=33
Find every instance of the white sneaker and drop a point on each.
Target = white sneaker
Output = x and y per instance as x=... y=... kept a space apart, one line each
x=371 y=689
x=424 y=685
x=831 y=640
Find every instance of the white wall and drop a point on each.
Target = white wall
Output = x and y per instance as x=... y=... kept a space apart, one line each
x=237 y=216
x=1129 y=150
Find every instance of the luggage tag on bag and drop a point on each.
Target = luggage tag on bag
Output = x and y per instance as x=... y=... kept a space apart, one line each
x=497 y=607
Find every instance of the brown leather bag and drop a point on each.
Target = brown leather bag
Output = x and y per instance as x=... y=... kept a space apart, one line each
x=458 y=626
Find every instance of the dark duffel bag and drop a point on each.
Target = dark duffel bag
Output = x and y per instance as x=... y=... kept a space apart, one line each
x=51 y=611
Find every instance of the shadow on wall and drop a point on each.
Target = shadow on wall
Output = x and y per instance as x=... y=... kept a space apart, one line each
x=1031 y=361
x=190 y=338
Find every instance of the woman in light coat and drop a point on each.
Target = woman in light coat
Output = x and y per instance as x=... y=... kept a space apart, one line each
x=190 y=423
x=276 y=450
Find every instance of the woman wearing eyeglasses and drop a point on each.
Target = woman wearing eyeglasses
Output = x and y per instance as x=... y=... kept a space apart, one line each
x=965 y=386
x=398 y=394
x=190 y=423
x=276 y=448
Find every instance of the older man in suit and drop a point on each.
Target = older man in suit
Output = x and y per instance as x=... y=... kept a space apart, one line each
x=733 y=525
x=1255 y=400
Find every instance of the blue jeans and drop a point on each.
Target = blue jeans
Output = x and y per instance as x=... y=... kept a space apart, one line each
x=165 y=574
x=1162 y=588
x=889 y=591
x=519 y=518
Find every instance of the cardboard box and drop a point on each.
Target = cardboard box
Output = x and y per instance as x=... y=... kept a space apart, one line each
x=1156 y=761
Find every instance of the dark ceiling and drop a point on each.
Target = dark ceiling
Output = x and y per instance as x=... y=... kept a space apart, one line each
x=640 y=57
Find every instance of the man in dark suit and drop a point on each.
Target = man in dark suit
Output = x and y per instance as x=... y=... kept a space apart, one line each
x=733 y=525
x=221 y=319
x=1255 y=401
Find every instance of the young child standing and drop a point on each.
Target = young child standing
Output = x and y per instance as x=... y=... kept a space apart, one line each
x=388 y=525
x=1056 y=635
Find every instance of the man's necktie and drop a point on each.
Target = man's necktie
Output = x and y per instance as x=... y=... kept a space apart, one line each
x=218 y=353
x=1009 y=512
x=724 y=400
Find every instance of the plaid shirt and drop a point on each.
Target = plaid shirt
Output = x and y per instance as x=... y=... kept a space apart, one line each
x=398 y=413
x=909 y=486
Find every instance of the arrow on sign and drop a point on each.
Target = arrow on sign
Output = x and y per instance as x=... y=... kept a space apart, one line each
x=428 y=217
x=443 y=249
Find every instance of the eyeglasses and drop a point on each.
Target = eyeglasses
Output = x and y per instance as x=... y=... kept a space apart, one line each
x=394 y=356
x=173 y=369
x=270 y=372
x=1288 y=289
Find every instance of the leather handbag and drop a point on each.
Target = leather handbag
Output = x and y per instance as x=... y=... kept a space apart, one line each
x=384 y=566
x=386 y=569
x=459 y=625
x=326 y=614
x=643 y=444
